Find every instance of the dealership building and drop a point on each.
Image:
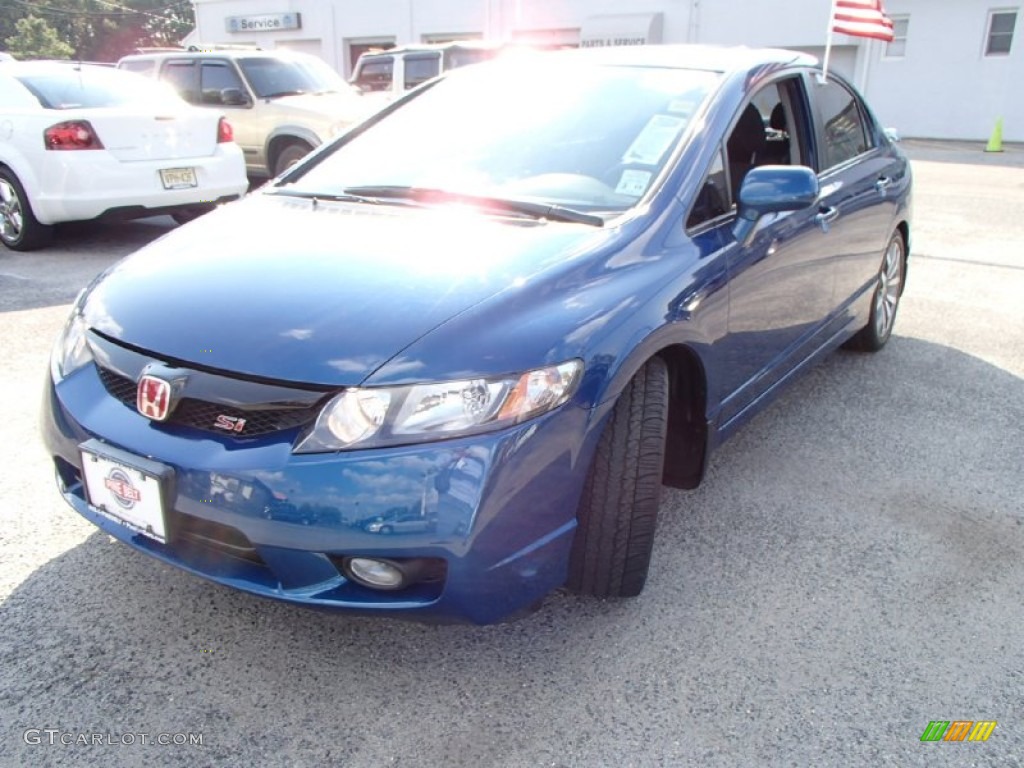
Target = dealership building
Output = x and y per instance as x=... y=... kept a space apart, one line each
x=954 y=68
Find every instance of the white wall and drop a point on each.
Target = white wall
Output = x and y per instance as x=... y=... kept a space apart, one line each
x=946 y=87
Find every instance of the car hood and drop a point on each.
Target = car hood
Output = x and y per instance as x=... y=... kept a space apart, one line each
x=333 y=107
x=321 y=293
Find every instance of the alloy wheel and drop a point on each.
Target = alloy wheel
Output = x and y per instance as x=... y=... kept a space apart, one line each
x=11 y=216
x=890 y=283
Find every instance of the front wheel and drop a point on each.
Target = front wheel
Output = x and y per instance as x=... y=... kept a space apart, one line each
x=618 y=511
x=289 y=156
x=19 y=228
x=886 y=299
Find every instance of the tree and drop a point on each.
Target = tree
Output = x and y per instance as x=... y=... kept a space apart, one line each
x=103 y=30
x=34 y=38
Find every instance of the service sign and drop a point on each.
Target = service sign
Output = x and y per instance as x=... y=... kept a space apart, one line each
x=267 y=22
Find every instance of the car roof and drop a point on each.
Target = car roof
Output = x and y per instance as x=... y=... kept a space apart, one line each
x=477 y=45
x=48 y=66
x=714 y=58
x=228 y=53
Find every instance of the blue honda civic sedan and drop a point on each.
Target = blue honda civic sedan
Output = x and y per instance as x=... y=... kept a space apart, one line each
x=444 y=365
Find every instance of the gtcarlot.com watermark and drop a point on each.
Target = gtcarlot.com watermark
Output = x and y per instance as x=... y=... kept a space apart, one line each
x=55 y=737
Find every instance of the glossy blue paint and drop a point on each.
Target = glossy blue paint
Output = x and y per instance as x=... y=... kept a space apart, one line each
x=328 y=294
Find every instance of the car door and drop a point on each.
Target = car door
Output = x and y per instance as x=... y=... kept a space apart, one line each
x=858 y=176
x=781 y=282
x=217 y=76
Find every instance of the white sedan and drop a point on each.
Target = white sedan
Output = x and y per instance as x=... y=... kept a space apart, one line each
x=83 y=142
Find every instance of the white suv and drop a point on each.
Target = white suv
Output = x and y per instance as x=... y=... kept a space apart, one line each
x=397 y=70
x=281 y=104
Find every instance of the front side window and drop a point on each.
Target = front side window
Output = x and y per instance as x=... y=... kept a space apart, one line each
x=843 y=127
x=376 y=74
x=582 y=135
x=897 y=47
x=215 y=76
x=1000 y=32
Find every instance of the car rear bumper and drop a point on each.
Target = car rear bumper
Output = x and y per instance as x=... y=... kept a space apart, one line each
x=78 y=186
x=498 y=510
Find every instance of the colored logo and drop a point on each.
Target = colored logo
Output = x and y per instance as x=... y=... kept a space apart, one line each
x=120 y=485
x=153 y=398
x=958 y=730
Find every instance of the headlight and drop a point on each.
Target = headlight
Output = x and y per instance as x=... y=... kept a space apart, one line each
x=372 y=417
x=71 y=351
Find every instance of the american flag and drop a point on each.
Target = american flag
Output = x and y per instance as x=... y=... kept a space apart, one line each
x=862 y=18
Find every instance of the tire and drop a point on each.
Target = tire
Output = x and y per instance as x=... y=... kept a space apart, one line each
x=290 y=155
x=387 y=530
x=19 y=228
x=185 y=215
x=885 y=300
x=618 y=510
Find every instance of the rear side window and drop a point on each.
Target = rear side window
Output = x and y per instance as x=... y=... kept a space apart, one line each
x=143 y=66
x=844 y=130
x=420 y=68
x=181 y=75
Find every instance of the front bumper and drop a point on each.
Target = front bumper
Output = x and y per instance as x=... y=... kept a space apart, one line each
x=497 y=509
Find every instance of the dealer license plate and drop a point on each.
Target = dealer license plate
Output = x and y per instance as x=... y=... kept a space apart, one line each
x=178 y=178
x=125 y=493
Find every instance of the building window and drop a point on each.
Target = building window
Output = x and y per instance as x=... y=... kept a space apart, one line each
x=1000 y=32
x=897 y=49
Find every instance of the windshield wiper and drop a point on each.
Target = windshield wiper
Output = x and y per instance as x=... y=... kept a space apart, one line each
x=278 y=94
x=333 y=197
x=429 y=195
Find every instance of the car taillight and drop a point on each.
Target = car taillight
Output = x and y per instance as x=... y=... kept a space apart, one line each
x=225 y=132
x=74 y=134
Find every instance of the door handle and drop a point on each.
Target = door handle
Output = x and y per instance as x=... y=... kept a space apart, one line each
x=882 y=184
x=826 y=216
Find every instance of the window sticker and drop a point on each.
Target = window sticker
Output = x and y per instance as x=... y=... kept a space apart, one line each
x=656 y=137
x=682 y=107
x=633 y=183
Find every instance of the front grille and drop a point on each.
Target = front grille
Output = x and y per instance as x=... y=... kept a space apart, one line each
x=202 y=414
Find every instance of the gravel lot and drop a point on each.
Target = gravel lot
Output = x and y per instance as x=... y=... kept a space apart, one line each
x=852 y=569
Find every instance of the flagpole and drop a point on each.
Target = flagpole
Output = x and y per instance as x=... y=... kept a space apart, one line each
x=828 y=41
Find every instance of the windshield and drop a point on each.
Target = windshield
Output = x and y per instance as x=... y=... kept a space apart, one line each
x=270 y=77
x=74 y=86
x=584 y=136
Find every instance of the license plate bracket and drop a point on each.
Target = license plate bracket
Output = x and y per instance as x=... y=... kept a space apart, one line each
x=128 y=489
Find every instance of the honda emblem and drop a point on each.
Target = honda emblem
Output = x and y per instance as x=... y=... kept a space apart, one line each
x=153 y=397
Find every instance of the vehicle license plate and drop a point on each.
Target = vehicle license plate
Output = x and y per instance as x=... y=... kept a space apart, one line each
x=178 y=178
x=125 y=493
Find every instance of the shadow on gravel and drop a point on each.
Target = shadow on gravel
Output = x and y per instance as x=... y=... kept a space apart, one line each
x=846 y=546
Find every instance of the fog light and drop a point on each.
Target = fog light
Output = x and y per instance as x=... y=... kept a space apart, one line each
x=379 y=574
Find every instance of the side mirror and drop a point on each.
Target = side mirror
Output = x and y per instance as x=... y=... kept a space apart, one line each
x=892 y=135
x=234 y=97
x=773 y=189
